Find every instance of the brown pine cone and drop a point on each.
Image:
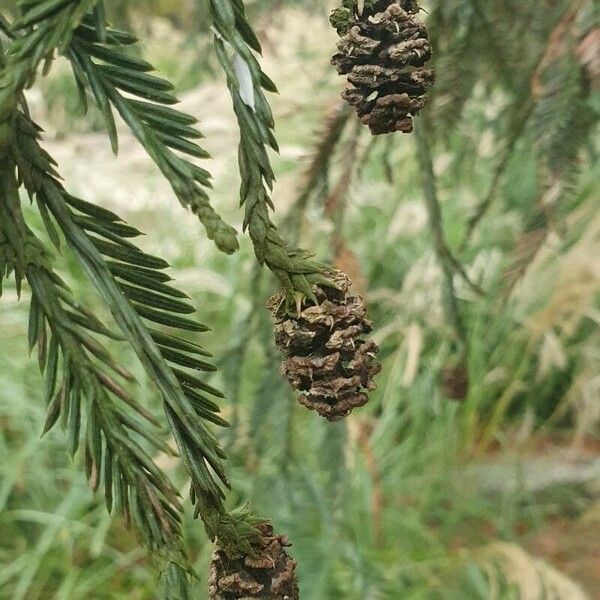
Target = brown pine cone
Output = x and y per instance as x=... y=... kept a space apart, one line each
x=383 y=52
x=268 y=575
x=455 y=381
x=326 y=358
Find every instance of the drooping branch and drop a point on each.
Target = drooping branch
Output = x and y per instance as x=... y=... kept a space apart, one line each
x=315 y=175
x=84 y=392
x=235 y=43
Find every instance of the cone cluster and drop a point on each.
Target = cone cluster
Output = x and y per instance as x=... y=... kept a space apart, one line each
x=383 y=52
x=326 y=357
x=268 y=575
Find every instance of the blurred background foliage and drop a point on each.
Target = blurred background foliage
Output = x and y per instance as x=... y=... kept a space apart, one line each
x=495 y=494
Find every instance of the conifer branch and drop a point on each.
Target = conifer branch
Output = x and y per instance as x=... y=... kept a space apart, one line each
x=528 y=100
x=235 y=43
x=95 y=410
x=132 y=284
x=562 y=122
x=315 y=175
x=517 y=130
x=120 y=434
x=102 y=67
x=314 y=181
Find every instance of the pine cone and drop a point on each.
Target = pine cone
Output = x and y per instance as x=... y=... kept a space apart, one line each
x=269 y=575
x=326 y=358
x=383 y=51
x=455 y=381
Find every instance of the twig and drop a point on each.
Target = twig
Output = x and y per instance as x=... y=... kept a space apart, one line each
x=447 y=262
x=460 y=270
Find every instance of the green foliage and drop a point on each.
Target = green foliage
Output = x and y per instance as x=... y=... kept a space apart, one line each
x=400 y=503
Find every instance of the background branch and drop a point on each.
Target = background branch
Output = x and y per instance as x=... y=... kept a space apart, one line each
x=446 y=261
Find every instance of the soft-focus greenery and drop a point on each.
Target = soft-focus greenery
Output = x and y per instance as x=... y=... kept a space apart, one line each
x=415 y=496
